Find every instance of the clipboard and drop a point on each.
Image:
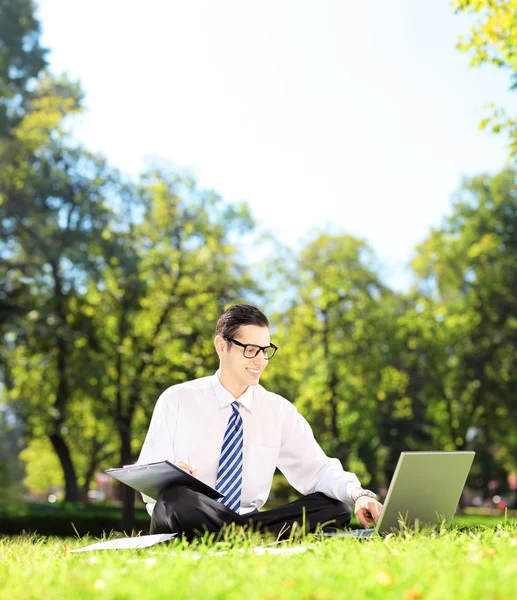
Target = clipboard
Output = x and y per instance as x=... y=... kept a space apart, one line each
x=151 y=478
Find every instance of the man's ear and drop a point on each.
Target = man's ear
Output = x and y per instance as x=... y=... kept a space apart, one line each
x=220 y=345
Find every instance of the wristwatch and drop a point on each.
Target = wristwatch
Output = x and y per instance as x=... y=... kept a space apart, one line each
x=356 y=496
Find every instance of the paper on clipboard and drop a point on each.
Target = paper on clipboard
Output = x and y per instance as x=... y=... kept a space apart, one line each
x=143 y=541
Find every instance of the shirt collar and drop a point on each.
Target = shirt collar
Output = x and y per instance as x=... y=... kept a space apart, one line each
x=224 y=396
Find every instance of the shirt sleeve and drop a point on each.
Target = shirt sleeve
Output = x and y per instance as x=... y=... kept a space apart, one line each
x=307 y=468
x=158 y=443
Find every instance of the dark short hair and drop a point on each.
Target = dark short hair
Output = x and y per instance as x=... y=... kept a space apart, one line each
x=239 y=314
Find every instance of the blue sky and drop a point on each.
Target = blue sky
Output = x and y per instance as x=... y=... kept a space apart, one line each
x=360 y=117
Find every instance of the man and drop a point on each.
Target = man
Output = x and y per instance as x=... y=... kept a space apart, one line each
x=231 y=433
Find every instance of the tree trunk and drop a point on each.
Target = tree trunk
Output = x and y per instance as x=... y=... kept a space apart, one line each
x=62 y=394
x=71 y=488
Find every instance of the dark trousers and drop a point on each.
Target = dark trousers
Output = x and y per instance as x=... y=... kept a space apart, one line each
x=186 y=511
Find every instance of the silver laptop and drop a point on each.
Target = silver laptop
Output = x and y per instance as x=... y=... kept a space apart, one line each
x=425 y=490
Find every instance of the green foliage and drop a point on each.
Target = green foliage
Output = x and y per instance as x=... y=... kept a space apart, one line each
x=167 y=275
x=378 y=373
x=42 y=466
x=111 y=289
x=468 y=271
x=52 y=209
x=340 y=359
x=493 y=40
x=21 y=58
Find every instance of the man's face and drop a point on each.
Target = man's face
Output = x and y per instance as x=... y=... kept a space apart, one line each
x=245 y=371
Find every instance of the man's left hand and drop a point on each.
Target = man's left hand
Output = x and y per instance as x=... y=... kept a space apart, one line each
x=367 y=510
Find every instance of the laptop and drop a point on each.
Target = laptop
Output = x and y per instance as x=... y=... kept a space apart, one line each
x=425 y=490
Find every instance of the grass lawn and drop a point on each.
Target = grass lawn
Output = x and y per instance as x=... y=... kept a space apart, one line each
x=469 y=562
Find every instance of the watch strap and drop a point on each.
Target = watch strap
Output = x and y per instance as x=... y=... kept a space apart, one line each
x=358 y=495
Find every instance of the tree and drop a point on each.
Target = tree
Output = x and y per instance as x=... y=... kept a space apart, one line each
x=492 y=40
x=52 y=207
x=170 y=273
x=469 y=267
x=21 y=59
x=339 y=348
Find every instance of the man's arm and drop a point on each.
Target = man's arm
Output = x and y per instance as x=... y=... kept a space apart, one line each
x=158 y=443
x=308 y=469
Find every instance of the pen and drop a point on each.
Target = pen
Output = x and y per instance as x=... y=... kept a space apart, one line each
x=187 y=460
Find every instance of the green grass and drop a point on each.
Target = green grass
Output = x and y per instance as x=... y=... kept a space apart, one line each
x=476 y=563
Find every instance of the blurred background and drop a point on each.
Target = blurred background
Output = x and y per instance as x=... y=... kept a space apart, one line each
x=349 y=169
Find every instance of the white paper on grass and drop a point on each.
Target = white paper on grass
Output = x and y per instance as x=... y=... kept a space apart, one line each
x=143 y=541
x=261 y=550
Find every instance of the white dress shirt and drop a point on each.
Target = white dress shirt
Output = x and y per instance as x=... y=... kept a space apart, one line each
x=190 y=419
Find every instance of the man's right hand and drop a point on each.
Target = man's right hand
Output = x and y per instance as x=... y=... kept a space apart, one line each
x=367 y=511
x=187 y=468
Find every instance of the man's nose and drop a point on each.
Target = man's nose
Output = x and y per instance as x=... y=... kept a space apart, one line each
x=260 y=359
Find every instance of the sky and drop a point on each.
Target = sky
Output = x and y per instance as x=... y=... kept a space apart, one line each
x=357 y=117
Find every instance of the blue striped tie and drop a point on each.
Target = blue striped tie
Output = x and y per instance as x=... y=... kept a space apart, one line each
x=229 y=474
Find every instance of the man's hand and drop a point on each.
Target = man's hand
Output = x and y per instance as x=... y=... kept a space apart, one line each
x=187 y=468
x=367 y=510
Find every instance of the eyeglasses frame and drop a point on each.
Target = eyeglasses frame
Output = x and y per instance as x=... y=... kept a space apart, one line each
x=260 y=348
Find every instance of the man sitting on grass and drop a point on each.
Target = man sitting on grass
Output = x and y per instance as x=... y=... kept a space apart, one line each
x=231 y=433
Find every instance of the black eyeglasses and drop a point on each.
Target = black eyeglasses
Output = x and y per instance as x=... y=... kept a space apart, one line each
x=252 y=350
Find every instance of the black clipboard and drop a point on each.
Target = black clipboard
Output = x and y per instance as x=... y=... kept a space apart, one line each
x=150 y=479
